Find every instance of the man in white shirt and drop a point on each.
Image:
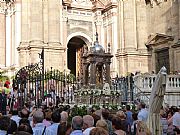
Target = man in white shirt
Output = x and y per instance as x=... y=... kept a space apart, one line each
x=15 y=117
x=77 y=123
x=143 y=113
x=176 y=121
x=56 y=118
x=88 y=124
x=39 y=128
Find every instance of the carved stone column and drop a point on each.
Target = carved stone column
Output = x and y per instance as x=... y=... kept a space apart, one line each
x=8 y=40
x=2 y=38
x=25 y=32
x=130 y=25
x=9 y=12
x=93 y=73
x=108 y=72
x=141 y=24
x=36 y=21
x=54 y=22
x=17 y=30
x=25 y=22
x=85 y=75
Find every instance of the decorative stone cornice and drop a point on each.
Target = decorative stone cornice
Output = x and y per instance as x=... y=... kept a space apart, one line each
x=155 y=39
x=110 y=5
x=103 y=5
x=97 y=5
x=67 y=2
x=155 y=2
x=7 y=7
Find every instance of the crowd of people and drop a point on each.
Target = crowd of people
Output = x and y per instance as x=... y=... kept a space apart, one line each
x=58 y=120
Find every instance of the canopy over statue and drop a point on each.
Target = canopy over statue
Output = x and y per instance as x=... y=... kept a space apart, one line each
x=156 y=102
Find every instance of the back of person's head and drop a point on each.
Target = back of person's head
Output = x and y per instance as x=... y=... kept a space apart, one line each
x=56 y=116
x=121 y=114
x=77 y=123
x=143 y=128
x=63 y=127
x=38 y=116
x=24 y=121
x=103 y=124
x=98 y=113
x=67 y=108
x=105 y=113
x=12 y=128
x=116 y=122
x=128 y=107
x=98 y=131
x=4 y=123
x=26 y=128
x=88 y=121
x=135 y=116
x=96 y=118
x=64 y=116
x=14 y=112
x=143 y=105
x=24 y=113
x=48 y=114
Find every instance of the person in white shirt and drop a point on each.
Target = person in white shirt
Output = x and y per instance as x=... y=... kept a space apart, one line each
x=39 y=128
x=56 y=118
x=77 y=123
x=143 y=113
x=88 y=124
x=15 y=117
x=176 y=121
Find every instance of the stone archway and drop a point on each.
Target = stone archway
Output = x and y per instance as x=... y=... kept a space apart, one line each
x=75 y=50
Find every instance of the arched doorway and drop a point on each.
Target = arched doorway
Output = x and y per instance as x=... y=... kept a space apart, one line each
x=74 y=54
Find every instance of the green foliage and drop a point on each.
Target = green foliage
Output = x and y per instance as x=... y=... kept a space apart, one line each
x=96 y=107
x=78 y=111
x=2 y=76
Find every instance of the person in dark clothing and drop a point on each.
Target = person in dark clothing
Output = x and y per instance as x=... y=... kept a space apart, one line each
x=96 y=118
x=24 y=121
x=4 y=124
x=12 y=128
x=105 y=116
x=26 y=128
x=3 y=102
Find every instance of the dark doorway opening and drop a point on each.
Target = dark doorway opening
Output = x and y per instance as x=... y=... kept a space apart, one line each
x=74 y=54
x=162 y=59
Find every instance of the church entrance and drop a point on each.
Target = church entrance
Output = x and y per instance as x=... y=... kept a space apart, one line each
x=162 y=59
x=74 y=54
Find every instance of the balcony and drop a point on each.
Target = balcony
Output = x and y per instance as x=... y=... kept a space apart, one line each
x=143 y=86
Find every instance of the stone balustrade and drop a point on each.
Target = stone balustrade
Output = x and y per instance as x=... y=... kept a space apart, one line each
x=144 y=83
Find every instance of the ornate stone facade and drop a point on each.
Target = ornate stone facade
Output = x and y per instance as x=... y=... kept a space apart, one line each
x=134 y=31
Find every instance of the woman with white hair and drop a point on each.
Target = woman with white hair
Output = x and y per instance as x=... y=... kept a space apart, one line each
x=124 y=123
x=88 y=124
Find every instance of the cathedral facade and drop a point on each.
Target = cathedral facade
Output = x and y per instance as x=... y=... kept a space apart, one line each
x=142 y=35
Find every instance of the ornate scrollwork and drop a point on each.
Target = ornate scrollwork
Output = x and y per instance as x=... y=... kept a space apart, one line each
x=7 y=7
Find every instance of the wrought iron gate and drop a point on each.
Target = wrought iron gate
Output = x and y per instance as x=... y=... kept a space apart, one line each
x=50 y=86
x=126 y=86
